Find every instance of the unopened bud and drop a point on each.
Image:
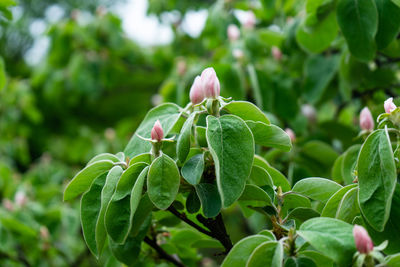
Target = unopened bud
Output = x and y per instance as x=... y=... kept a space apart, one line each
x=8 y=205
x=363 y=242
x=44 y=233
x=291 y=134
x=210 y=83
x=233 y=32
x=389 y=105
x=196 y=91
x=366 y=120
x=110 y=134
x=276 y=53
x=249 y=20
x=237 y=53
x=181 y=67
x=309 y=112
x=157 y=133
x=20 y=198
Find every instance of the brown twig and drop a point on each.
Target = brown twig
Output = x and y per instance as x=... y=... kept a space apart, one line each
x=184 y=218
x=163 y=255
x=216 y=227
x=218 y=230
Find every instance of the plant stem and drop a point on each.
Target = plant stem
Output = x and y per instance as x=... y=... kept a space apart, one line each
x=216 y=227
x=184 y=218
x=218 y=230
x=163 y=255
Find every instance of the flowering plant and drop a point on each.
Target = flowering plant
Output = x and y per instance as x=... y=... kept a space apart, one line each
x=197 y=162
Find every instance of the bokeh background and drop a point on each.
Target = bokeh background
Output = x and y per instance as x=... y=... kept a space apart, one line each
x=77 y=77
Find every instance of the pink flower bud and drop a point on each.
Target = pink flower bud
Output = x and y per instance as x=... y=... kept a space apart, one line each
x=249 y=20
x=237 y=53
x=276 y=53
x=389 y=105
x=291 y=134
x=8 y=205
x=309 y=112
x=196 y=91
x=210 y=83
x=363 y=241
x=44 y=232
x=20 y=198
x=233 y=32
x=181 y=67
x=157 y=133
x=366 y=120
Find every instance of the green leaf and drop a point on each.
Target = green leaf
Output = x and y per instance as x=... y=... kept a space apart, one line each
x=388 y=24
x=232 y=147
x=104 y=156
x=393 y=260
x=117 y=216
x=337 y=170
x=299 y=262
x=267 y=254
x=320 y=152
x=246 y=111
x=292 y=201
x=348 y=208
x=128 y=253
x=316 y=188
x=318 y=71
x=277 y=177
x=183 y=143
x=332 y=204
x=377 y=177
x=397 y=2
x=145 y=157
x=392 y=227
x=142 y=213
x=136 y=194
x=270 y=37
x=260 y=176
x=269 y=135
x=193 y=202
x=316 y=37
x=269 y=234
x=90 y=210
x=320 y=259
x=242 y=250
x=254 y=196
x=163 y=181
x=201 y=136
x=83 y=179
x=193 y=169
x=331 y=237
x=349 y=163
x=301 y=214
x=108 y=190
x=358 y=21
x=209 y=198
x=167 y=113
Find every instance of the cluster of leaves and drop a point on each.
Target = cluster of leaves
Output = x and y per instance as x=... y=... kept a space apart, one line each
x=215 y=166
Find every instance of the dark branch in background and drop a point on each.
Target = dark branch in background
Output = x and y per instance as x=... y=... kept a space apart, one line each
x=21 y=257
x=218 y=230
x=163 y=255
x=184 y=218
x=216 y=227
